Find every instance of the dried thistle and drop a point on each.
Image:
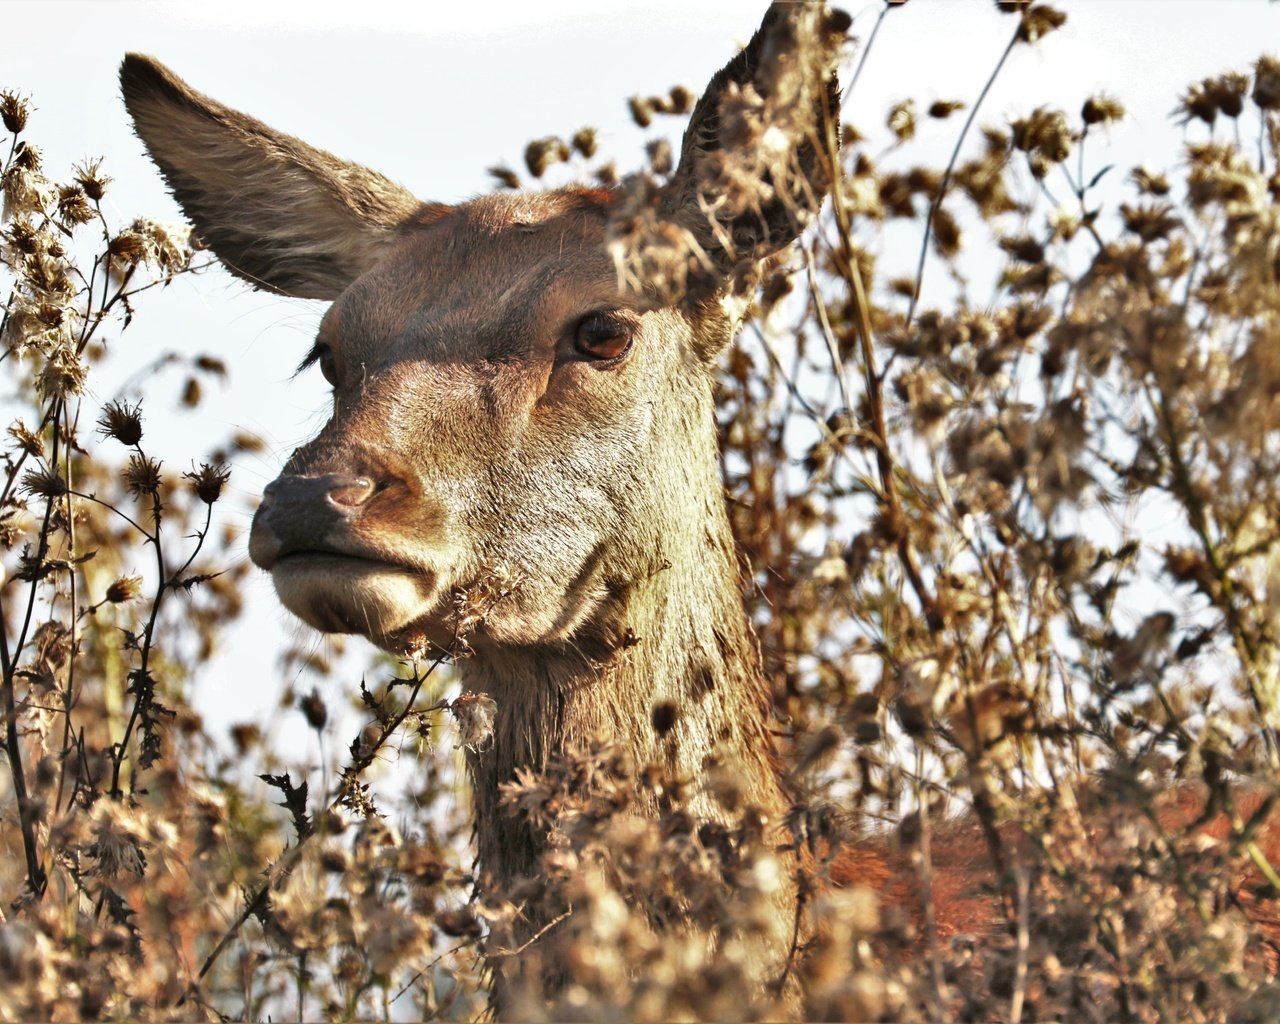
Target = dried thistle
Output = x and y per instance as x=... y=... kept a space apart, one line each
x=90 y=178
x=142 y=475
x=14 y=111
x=542 y=153
x=124 y=589
x=122 y=422
x=1102 y=109
x=208 y=481
x=1266 y=83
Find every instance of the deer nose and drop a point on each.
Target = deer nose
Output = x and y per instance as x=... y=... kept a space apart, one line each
x=306 y=514
x=335 y=490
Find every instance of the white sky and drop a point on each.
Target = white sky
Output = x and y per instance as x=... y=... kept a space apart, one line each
x=432 y=94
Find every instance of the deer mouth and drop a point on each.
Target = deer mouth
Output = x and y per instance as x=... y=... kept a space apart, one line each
x=342 y=593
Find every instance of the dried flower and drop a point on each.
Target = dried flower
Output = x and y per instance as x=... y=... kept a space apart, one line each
x=44 y=482
x=122 y=421
x=902 y=120
x=1228 y=92
x=142 y=475
x=1101 y=109
x=1266 y=83
x=13 y=111
x=90 y=178
x=1150 y=182
x=505 y=176
x=542 y=153
x=123 y=589
x=208 y=481
x=314 y=710
x=584 y=141
x=29 y=441
x=641 y=111
x=1038 y=21
x=942 y=109
x=73 y=207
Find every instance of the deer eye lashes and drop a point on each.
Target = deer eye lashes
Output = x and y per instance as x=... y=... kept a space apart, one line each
x=323 y=355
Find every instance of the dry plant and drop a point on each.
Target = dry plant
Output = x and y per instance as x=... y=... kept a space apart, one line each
x=1029 y=754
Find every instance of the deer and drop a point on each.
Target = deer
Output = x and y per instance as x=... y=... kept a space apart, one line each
x=525 y=381
x=518 y=382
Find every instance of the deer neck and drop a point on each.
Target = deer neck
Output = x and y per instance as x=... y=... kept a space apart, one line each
x=666 y=671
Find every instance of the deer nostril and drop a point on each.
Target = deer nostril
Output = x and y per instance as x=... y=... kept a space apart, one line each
x=351 y=491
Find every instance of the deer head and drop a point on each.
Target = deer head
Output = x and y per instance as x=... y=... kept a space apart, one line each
x=511 y=390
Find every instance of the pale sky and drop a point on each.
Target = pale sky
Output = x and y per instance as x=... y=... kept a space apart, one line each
x=432 y=94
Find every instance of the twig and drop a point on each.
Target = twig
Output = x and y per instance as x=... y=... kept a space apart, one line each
x=946 y=176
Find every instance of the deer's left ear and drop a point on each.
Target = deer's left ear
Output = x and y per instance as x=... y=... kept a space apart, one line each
x=756 y=160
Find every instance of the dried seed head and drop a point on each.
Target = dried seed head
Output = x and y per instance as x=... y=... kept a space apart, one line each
x=90 y=178
x=505 y=176
x=942 y=109
x=902 y=120
x=13 y=111
x=73 y=206
x=1038 y=21
x=27 y=157
x=126 y=588
x=28 y=440
x=682 y=99
x=542 y=153
x=1266 y=82
x=1197 y=104
x=128 y=247
x=207 y=481
x=63 y=374
x=122 y=421
x=659 y=153
x=641 y=111
x=142 y=475
x=585 y=142
x=314 y=710
x=1150 y=182
x=1228 y=92
x=1102 y=109
x=44 y=482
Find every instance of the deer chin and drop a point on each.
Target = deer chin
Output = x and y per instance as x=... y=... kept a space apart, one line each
x=345 y=594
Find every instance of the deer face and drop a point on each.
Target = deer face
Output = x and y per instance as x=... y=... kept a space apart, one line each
x=516 y=392
x=494 y=410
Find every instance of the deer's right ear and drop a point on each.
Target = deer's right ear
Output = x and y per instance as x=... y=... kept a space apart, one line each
x=279 y=213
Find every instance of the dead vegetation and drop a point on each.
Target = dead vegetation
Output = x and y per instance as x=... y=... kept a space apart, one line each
x=1031 y=754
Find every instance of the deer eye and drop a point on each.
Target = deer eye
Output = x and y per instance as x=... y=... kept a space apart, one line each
x=328 y=365
x=604 y=336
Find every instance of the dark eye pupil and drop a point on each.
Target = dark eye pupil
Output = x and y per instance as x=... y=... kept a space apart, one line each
x=604 y=337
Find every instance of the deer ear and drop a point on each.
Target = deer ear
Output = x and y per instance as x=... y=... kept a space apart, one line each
x=755 y=163
x=279 y=213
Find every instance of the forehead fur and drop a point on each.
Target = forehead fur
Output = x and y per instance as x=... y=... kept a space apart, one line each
x=589 y=207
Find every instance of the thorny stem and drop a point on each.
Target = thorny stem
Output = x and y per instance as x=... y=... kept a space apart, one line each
x=68 y=694
x=36 y=877
x=144 y=689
